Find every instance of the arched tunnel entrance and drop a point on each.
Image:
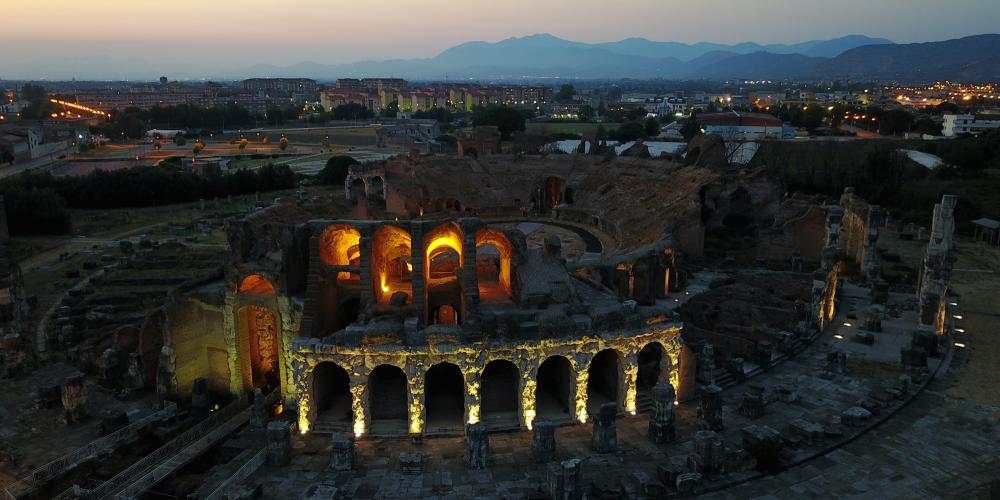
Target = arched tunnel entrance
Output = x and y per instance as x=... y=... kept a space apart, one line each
x=552 y=392
x=603 y=381
x=387 y=400
x=332 y=396
x=499 y=394
x=444 y=397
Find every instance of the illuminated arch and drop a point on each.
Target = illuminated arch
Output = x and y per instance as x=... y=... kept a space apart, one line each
x=497 y=239
x=605 y=380
x=339 y=245
x=256 y=284
x=391 y=267
x=443 y=288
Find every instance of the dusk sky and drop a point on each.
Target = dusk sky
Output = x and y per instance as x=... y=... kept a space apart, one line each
x=198 y=35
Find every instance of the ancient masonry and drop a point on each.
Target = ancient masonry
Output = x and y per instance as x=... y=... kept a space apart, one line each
x=420 y=326
x=936 y=271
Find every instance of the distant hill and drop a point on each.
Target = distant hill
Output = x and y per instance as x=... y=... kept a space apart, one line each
x=970 y=58
x=974 y=58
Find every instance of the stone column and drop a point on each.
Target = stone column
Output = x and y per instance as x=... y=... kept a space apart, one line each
x=415 y=397
x=661 y=420
x=473 y=396
x=478 y=442
x=342 y=451
x=543 y=441
x=166 y=378
x=752 y=405
x=74 y=399
x=711 y=407
x=199 y=398
x=564 y=480
x=258 y=412
x=605 y=434
x=279 y=443
x=367 y=291
x=470 y=280
x=418 y=285
x=706 y=365
x=136 y=380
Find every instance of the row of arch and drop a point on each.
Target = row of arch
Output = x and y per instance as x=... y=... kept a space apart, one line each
x=444 y=399
x=393 y=264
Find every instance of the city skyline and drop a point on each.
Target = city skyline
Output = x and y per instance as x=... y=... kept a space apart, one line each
x=205 y=37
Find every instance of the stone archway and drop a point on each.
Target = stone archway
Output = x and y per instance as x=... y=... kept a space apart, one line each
x=498 y=393
x=331 y=397
x=653 y=368
x=604 y=380
x=387 y=400
x=553 y=389
x=444 y=397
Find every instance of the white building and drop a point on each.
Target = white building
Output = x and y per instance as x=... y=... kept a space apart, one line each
x=969 y=124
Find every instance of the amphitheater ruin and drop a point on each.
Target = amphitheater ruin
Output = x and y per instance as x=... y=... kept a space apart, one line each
x=510 y=326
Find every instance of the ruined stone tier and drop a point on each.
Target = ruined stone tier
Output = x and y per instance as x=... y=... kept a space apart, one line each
x=413 y=283
x=438 y=388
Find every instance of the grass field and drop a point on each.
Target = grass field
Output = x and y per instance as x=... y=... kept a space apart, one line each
x=567 y=127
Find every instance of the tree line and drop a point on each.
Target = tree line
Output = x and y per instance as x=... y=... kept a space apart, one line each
x=37 y=203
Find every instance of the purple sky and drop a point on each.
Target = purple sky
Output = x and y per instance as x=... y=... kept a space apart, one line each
x=206 y=34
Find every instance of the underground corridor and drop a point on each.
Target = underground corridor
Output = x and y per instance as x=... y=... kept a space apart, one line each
x=387 y=400
x=499 y=395
x=444 y=398
x=552 y=393
x=332 y=397
x=603 y=381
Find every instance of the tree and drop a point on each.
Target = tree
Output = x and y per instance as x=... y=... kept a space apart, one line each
x=689 y=129
x=180 y=140
x=351 y=111
x=390 y=110
x=243 y=143
x=630 y=131
x=335 y=170
x=895 y=121
x=813 y=117
x=508 y=120
x=652 y=127
x=283 y=143
x=586 y=113
x=636 y=114
x=566 y=93
x=442 y=115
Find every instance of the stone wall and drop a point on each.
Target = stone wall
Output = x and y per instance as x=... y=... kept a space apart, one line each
x=471 y=359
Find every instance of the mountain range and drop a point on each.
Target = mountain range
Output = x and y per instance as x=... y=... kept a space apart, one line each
x=973 y=58
x=542 y=56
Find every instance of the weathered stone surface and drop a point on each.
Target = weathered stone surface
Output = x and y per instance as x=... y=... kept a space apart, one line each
x=200 y=405
x=752 y=405
x=477 y=439
x=709 y=453
x=258 y=411
x=661 y=419
x=564 y=480
x=855 y=416
x=411 y=463
x=74 y=399
x=688 y=482
x=279 y=443
x=605 y=434
x=342 y=451
x=710 y=410
x=543 y=441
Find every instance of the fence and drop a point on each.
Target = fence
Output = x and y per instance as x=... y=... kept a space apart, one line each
x=130 y=474
x=40 y=476
x=242 y=473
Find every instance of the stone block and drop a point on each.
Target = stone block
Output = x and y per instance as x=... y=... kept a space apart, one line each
x=477 y=439
x=687 y=483
x=604 y=438
x=543 y=441
x=411 y=464
x=279 y=443
x=855 y=416
x=341 y=451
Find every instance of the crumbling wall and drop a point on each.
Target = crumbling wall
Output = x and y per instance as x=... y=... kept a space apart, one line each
x=195 y=333
x=859 y=232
